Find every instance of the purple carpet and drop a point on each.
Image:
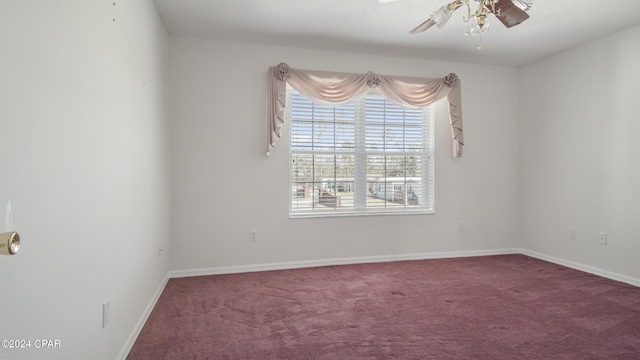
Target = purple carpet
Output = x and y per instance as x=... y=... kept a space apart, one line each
x=495 y=307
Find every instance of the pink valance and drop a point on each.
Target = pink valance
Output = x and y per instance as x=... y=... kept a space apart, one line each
x=339 y=88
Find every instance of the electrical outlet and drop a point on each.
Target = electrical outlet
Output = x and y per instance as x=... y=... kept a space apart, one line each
x=460 y=225
x=572 y=233
x=105 y=313
x=602 y=238
x=160 y=251
x=253 y=235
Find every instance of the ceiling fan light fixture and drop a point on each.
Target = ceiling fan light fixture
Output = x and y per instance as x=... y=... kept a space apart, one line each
x=478 y=25
x=442 y=15
x=509 y=12
x=524 y=5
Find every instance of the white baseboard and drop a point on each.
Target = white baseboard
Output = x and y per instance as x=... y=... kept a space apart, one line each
x=582 y=267
x=337 y=261
x=143 y=320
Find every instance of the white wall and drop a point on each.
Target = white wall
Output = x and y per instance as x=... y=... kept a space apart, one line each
x=224 y=185
x=579 y=154
x=84 y=159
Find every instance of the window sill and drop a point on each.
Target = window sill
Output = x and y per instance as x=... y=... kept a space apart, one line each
x=359 y=214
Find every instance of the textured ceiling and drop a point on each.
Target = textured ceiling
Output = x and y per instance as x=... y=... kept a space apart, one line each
x=369 y=26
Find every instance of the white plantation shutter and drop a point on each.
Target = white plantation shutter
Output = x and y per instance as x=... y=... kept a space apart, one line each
x=369 y=156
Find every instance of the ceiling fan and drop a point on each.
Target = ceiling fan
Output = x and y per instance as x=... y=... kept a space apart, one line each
x=509 y=12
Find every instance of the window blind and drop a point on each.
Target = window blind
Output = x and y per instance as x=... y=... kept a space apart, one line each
x=369 y=156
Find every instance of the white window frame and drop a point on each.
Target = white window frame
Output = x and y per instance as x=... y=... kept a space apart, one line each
x=360 y=176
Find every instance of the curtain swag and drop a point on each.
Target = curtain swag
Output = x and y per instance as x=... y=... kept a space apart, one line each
x=335 y=88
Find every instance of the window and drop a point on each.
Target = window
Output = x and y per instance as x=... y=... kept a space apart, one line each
x=368 y=156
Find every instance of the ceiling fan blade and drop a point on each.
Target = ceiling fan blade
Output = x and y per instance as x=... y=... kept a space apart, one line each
x=422 y=27
x=509 y=14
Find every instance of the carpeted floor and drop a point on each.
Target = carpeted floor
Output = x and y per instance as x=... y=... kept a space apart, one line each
x=496 y=307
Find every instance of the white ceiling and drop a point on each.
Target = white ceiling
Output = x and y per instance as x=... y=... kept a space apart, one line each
x=369 y=26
